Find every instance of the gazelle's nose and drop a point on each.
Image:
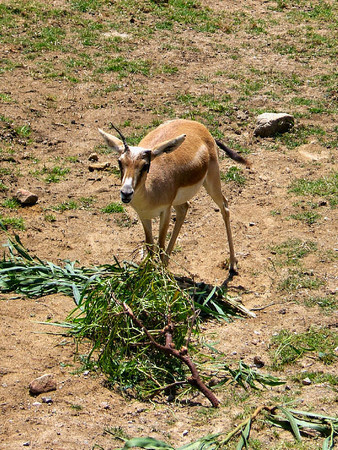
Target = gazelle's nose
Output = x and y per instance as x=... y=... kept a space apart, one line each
x=127 y=194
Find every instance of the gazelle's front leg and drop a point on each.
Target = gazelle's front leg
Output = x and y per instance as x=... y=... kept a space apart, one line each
x=164 y=225
x=181 y=212
x=148 y=234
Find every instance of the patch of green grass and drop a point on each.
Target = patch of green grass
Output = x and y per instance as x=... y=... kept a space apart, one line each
x=55 y=174
x=250 y=87
x=11 y=203
x=234 y=174
x=52 y=175
x=66 y=206
x=209 y=101
x=5 y=98
x=113 y=208
x=256 y=26
x=50 y=218
x=46 y=38
x=86 y=202
x=23 y=131
x=288 y=347
x=77 y=407
x=326 y=187
x=86 y=6
x=308 y=217
x=328 y=304
x=293 y=250
x=317 y=377
x=89 y=32
x=125 y=67
x=17 y=223
x=3 y=187
x=5 y=171
x=299 y=135
x=297 y=279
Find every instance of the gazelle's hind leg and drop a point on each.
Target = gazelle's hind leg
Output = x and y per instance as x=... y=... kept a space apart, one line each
x=181 y=212
x=212 y=185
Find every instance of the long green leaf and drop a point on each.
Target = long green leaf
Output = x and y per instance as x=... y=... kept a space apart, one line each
x=207 y=442
x=244 y=436
x=148 y=443
x=293 y=424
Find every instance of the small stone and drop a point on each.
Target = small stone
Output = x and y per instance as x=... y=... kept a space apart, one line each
x=47 y=400
x=45 y=383
x=258 y=362
x=26 y=198
x=98 y=166
x=185 y=432
x=93 y=157
x=269 y=124
x=213 y=382
x=306 y=382
x=26 y=444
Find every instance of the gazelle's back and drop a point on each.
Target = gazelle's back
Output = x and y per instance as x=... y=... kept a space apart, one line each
x=188 y=164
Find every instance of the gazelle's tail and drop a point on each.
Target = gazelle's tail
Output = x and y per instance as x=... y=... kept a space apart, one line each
x=232 y=154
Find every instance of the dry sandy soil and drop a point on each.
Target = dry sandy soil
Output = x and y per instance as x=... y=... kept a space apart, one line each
x=62 y=117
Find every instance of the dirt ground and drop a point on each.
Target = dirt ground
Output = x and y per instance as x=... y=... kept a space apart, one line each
x=63 y=117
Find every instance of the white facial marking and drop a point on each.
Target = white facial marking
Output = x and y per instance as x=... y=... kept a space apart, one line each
x=128 y=182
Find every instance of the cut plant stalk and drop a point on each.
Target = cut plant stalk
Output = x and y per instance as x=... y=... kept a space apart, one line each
x=182 y=354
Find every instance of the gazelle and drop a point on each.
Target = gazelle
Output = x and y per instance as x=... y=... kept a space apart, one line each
x=166 y=170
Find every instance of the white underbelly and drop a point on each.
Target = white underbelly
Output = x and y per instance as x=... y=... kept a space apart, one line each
x=186 y=193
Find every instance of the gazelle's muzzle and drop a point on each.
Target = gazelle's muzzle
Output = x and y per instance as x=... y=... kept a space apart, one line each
x=127 y=193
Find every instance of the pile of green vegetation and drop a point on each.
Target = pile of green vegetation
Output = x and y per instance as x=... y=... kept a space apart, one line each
x=142 y=324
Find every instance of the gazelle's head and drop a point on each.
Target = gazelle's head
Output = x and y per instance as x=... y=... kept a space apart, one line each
x=135 y=162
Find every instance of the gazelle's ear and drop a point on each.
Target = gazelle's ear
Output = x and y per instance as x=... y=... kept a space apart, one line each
x=167 y=146
x=113 y=142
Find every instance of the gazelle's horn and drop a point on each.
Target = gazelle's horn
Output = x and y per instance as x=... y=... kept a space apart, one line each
x=126 y=147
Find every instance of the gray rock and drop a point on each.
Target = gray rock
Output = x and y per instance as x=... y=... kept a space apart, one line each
x=269 y=124
x=45 y=383
x=26 y=198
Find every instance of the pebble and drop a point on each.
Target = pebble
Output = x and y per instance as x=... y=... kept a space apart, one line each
x=45 y=383
x=26 y=198
x=94 y=157
x=98 y=166
x=306 y=382
x=185 y=432
x=47 y=400
x=258 y=362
